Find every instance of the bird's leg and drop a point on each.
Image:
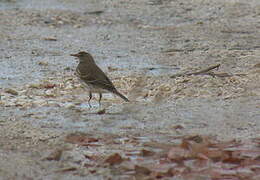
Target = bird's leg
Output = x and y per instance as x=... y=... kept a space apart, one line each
x=100 y=97
x=90 y=97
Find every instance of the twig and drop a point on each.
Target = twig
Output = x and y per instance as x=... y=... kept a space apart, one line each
x=237 y=32
x=219 y=74
x=202 y=72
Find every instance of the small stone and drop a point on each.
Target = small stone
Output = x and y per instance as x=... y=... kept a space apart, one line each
x=50 y=39
x=70 y=106
x=42 y=63
x=55 y=155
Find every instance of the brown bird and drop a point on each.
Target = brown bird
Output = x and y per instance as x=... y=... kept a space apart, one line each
x=93 y=77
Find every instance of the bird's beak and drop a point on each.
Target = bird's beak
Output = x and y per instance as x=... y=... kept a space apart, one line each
x=75 y=55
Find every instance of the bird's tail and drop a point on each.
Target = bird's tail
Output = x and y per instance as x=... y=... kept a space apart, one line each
x=122 y=96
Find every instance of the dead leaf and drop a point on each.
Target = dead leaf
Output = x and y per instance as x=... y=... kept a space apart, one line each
x=80 y=139
x=114 y=159
x=92 y=171
x=175 y=171
x=178 y=154
x=49 y=86
x=93 y=157
x=214 y=154
x=102 y=111
x=257 y=65
x=142 y=170
x=146 y=153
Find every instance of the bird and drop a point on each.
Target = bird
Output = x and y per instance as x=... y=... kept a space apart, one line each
x=93 y=77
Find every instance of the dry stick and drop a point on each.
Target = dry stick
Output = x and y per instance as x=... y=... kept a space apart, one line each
x=204 y=71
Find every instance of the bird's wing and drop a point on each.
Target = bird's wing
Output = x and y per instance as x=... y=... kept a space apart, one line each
x=97 y=78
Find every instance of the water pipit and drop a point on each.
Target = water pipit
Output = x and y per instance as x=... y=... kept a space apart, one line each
x=93 y=77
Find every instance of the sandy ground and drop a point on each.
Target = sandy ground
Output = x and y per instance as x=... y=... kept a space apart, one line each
x=140 y=44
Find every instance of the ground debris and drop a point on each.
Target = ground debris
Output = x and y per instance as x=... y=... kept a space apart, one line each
x=114 y=159
x=50 y=39
x=201 y=72
x=66 y=169
x=257 y=65
x=102 y=111
x=81 y=139
x=11 y=91
x=97 y=12
x=195 y=156
x=54 y=156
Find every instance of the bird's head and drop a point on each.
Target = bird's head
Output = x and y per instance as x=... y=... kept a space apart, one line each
x=83 y=56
